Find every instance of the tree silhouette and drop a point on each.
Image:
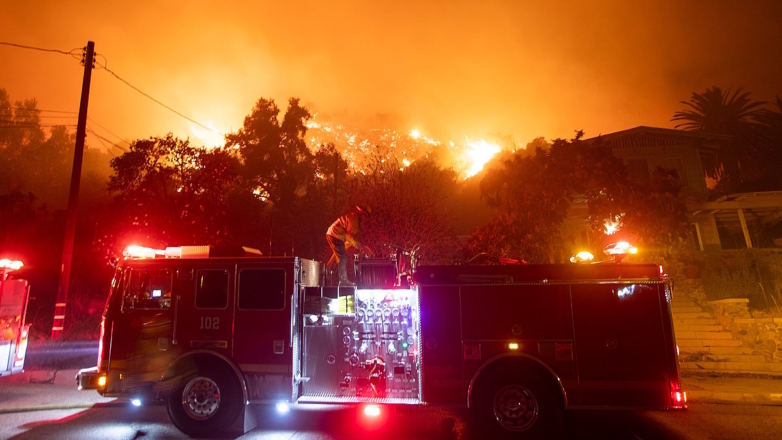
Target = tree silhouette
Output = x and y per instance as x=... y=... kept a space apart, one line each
x=410 y=206
x=532 y=194
x=726 y=113
x=769 y=147
x=169 y=192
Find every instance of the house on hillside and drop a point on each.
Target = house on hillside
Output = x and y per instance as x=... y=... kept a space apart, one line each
x=733 y=221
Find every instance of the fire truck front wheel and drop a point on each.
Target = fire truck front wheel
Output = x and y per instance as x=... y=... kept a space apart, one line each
x=515 y=407
x=207 y=401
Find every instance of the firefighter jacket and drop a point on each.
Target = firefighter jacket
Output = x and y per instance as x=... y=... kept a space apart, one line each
x=348 y=229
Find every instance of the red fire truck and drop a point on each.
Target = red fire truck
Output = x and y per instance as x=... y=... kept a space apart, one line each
x=211 y=332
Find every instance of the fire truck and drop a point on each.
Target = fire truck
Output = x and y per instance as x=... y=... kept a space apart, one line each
x=14 y=294
x=211 y=331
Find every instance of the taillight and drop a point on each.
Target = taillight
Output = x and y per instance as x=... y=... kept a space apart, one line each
x=679 y=399
x=21 y=350
x=100 y=343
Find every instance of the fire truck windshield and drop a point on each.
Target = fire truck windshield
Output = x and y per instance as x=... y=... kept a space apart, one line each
x=148 y=289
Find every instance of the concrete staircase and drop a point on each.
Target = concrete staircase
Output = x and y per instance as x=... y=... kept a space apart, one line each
x=706 y=346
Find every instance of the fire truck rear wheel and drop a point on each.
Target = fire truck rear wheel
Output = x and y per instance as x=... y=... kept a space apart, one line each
x=206 y=402
x=515 y=407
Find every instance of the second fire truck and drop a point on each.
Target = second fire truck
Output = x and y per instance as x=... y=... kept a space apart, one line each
x=211 y=331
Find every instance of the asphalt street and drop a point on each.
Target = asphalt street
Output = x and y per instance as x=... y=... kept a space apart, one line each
x=119 y=420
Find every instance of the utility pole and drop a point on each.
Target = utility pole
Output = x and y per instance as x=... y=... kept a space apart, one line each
x=88 y=60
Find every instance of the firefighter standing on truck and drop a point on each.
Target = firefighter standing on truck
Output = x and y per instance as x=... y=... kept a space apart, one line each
x=346 y=231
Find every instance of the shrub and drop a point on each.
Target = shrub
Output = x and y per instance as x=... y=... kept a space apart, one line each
x=755 y=275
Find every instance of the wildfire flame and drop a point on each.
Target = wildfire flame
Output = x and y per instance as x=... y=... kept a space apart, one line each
x=480 y=152
x=610 y=227
x=210 y=138
x=357 y=144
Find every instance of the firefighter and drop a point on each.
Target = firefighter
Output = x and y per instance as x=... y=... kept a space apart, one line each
x=347 y=231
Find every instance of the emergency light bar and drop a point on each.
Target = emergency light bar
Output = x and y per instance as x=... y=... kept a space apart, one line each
x=10 y=265
x=139 y=252
x=620 y=248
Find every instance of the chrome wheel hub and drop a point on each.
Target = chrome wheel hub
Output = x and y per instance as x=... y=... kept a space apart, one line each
x=201 y=398
x=515 y=408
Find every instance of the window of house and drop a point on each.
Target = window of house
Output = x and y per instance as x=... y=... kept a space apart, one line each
x=148 y=289
x=262 y=289
x=638 y=170
x=675 y=163
x=212 y=289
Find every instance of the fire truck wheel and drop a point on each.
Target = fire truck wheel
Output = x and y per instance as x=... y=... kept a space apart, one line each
x=207 y=402
x=516 y=407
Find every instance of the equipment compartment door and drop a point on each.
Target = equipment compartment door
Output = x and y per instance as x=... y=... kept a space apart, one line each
x=642 y=342
x=620 y=345
x=597 y=333
x=441 y=345
x=263 y=327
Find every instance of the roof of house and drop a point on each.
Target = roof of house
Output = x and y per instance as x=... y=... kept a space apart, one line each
x=701 y=139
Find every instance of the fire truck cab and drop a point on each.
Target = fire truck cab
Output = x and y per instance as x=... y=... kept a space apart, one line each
x=211 y=332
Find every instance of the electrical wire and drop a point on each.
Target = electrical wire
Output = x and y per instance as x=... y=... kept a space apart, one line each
x=45 y=116
x=74 y=53
x=2 y=127
x=101 y=140
x=107 y=130
x=41 y=49
x=113 y=144
x=156 y=101
x=42 y=110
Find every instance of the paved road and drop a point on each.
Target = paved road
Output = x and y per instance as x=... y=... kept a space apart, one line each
x=116 y=420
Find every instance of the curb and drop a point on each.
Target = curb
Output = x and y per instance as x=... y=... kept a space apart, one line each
x=734 y=398
x=48 y=376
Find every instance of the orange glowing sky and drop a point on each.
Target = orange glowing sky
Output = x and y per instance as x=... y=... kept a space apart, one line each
x=448 y=68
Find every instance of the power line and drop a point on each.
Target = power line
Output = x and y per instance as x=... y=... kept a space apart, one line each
x=42 y=110
x=74 y=53
x=156 y=101
x=41 y=49
x=119 y=147
x=107 y=130
x=36 y=126
x=100 y=139
x=44 y=116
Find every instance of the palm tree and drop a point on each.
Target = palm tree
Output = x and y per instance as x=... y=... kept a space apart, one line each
x=718 y=112
x=769 y=146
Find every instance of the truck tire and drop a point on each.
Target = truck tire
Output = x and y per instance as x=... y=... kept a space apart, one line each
x=207 y=401
x=515 y=406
